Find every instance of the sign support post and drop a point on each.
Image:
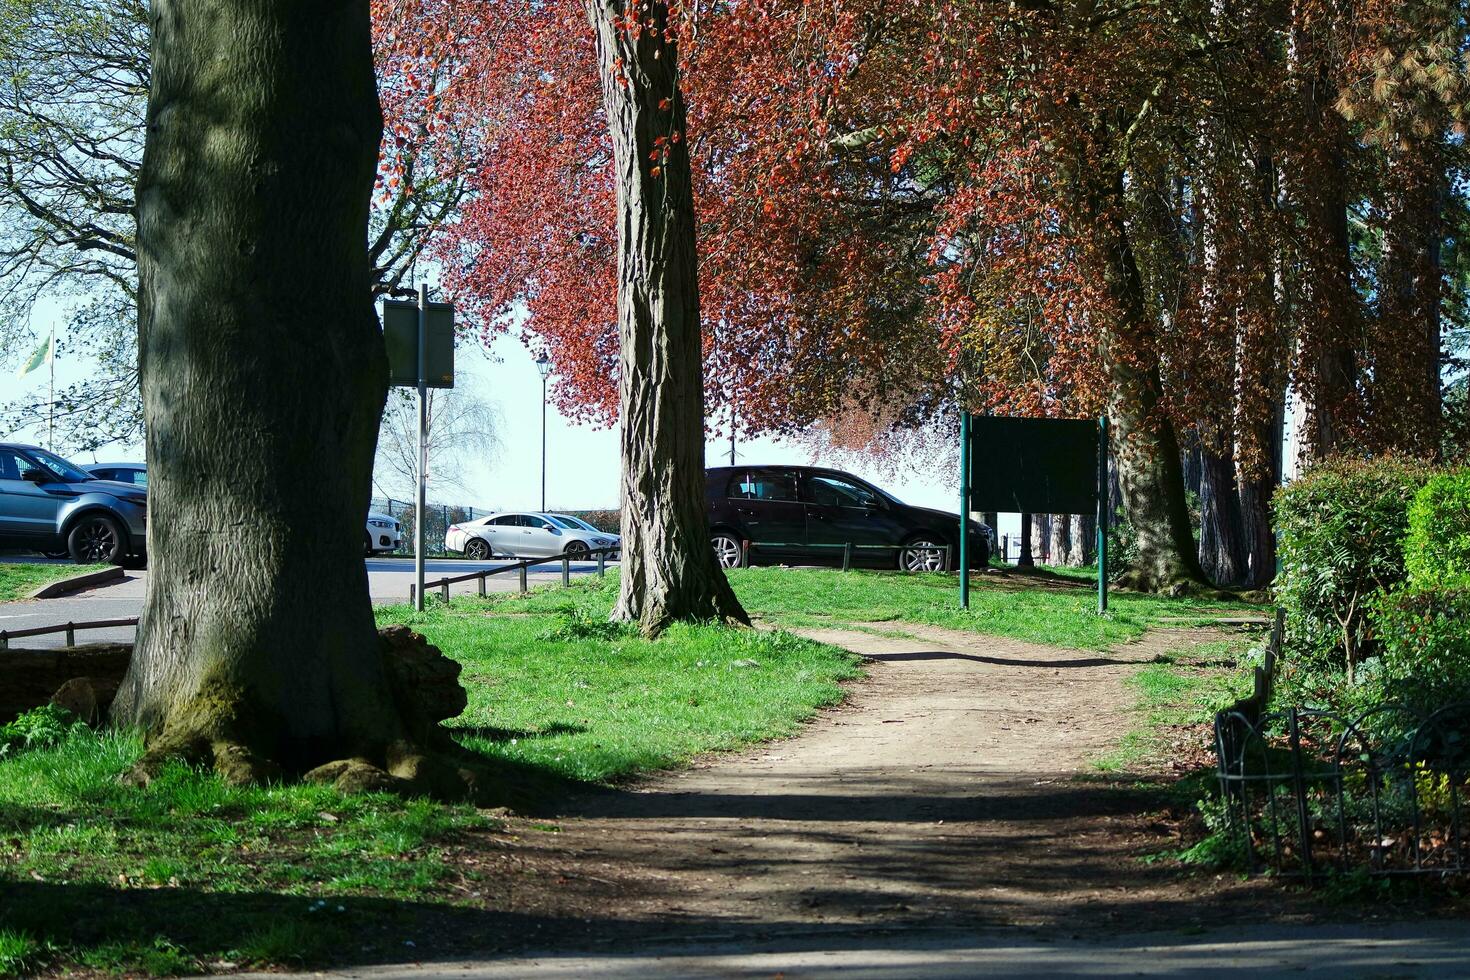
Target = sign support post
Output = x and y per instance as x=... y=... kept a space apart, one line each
x=964 y=510
x=418 y=515
x=1102 y=514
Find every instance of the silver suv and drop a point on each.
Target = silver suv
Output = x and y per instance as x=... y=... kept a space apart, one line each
x=49 y=504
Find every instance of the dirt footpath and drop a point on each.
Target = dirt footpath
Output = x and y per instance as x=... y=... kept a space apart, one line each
x=952 y=790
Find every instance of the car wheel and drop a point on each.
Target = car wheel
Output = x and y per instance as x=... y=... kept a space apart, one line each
x=576 y=550
x=727 y=549
x=921 y=554
x=476 y=549
x=96 y=539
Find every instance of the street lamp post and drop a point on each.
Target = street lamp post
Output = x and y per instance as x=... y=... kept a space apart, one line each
x=543 y=364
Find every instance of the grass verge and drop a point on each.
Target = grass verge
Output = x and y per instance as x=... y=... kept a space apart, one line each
x=1052 y=611
x=1175 y=698
x=19 y=579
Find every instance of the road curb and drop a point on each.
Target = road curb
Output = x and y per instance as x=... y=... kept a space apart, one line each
x=76 y=583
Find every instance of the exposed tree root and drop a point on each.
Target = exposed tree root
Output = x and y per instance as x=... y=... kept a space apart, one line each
x=220 y=729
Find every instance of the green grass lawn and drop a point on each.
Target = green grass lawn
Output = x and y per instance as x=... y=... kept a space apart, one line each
x=553 y=684
x=19 y=579
x=1051 y=611
x=190 y=873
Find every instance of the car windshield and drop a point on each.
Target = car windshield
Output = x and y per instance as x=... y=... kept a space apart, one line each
x=62 y=468
x=567 y=520
x=561 y=521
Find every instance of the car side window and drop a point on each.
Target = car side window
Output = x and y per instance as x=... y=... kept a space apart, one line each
x=765 y=485
x=832 y=491
x=104 y=474
x=537 y=523
x=11 y=465
x=503 y=522
x=140 y=477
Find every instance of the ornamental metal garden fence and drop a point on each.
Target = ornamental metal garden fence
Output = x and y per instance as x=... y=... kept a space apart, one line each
x=1309 y=793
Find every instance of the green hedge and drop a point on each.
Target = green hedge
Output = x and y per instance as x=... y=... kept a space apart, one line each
x=1424 y=645
x=1341 y=528
x=1437 y=551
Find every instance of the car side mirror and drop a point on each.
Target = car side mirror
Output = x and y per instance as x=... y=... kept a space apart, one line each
x=33 y=475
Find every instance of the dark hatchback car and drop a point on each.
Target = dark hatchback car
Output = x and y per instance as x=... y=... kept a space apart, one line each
x=807 y=514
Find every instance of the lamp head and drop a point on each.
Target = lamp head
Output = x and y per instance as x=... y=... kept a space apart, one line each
x=543 y=364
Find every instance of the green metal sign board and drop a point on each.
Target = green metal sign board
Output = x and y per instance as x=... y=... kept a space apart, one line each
x=1037 y=466
x=401 y=335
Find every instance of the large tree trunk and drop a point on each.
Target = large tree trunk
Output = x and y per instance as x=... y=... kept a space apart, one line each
x=1027 y=557
x=1326 y=410
x=1082 y=535
x=669 y=571
x=1221 y=551
x=263 y=376
x=1405 y=396
x=1144 y=443
x=1059 y=548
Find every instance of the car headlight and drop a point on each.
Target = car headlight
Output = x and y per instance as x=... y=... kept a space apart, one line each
x=381 y=523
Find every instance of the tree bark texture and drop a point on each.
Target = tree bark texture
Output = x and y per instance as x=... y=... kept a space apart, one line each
x=1405 y=396
x=263 y=374
x=1083 y=539
x=1315 y=181
x=669 y=571
x=1059 y=548
x=1144 y=442
x=1221 y=549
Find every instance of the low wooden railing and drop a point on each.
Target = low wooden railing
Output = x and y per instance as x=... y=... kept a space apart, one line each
x=70 y=629
x=521 y=566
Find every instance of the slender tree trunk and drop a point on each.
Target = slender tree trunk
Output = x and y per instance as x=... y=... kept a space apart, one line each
x=1027 y=558
x=669 y=571
x=263 y=376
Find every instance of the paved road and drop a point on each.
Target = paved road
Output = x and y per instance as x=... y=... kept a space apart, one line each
x=388 y=579
x=1380 y=950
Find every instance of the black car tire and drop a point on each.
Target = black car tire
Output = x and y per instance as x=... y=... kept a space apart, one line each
x=922 y=553
x=727 y=549
x=476 y=549
x=96 y=539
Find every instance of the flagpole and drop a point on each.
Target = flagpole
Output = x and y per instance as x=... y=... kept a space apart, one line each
x=51 y=396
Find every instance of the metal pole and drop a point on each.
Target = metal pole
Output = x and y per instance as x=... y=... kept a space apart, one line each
x=543 y=443
x=51 y=397
x=964 y=510
x=1102 y=515
x=418 y=516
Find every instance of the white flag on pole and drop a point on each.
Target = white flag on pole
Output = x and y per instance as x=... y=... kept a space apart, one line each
x=44 y=354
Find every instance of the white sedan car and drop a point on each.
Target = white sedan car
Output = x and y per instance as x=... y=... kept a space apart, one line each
x=526 y=535
x=383 y=533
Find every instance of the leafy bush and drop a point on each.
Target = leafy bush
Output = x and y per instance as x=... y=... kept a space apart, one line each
x=1424 y=641
x=40 y=728
x=1341 y=530
x=1437 y=551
